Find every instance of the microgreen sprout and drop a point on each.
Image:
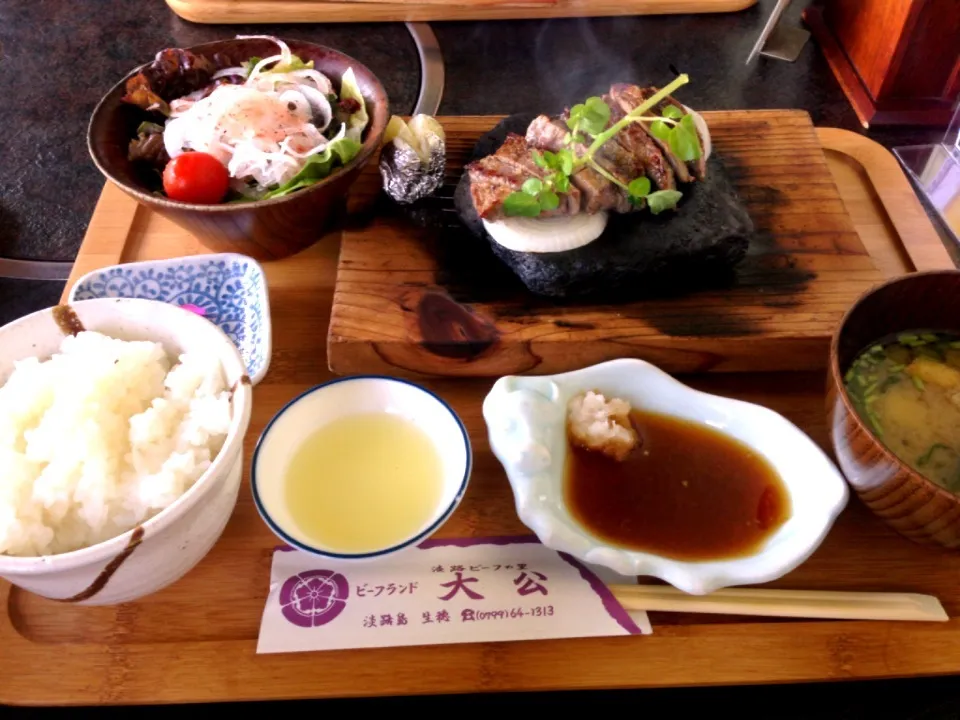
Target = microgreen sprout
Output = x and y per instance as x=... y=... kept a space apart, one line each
x=538 y=195
x=588 y=132
x=590 y=117
x=679 y=132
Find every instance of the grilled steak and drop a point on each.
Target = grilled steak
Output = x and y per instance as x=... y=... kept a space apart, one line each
x=696 y=168
x=699 y=166
x=658 y=256
x=628 y=97
x=496 y=176
x=633 y=153
x=598 y=193
x=636 y=140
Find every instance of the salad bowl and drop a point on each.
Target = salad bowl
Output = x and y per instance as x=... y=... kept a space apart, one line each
x=263 y=229
x=526 y=422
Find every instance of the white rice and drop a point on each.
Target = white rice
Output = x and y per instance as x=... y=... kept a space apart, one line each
x=101 y=437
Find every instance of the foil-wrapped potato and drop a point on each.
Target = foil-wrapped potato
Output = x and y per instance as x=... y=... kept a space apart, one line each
x=413 y=159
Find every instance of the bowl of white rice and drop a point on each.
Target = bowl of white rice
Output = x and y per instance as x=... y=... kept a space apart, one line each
x=121 y=443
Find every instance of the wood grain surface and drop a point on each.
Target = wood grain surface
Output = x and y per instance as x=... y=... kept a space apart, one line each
x=195 y=640
x=307 y=11
x=411 y=302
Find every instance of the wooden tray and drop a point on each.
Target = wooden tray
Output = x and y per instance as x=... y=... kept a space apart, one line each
x=307 y=11
x=411 y=304
x=195 y=641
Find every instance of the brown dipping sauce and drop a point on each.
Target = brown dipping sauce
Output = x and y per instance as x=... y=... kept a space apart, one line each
x=686 y=492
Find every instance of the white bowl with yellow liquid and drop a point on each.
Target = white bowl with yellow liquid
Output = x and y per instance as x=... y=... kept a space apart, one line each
x=360 y=467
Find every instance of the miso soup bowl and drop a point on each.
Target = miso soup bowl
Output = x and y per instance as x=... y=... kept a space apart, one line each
x=526 y=421
x=903 y=498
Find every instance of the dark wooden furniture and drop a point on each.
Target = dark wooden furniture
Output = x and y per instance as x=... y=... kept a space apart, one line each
x=898 y=61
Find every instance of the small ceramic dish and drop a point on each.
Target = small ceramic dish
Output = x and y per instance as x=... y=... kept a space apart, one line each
x=227 y=289
x=349 y=396
x=526 y=420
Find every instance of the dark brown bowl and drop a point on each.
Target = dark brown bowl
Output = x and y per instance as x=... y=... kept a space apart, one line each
x=265 y=229
x=903 y=498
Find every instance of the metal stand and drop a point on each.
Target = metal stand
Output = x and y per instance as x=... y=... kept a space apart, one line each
x=34 y=269
x=779 y=41
x=431 y=69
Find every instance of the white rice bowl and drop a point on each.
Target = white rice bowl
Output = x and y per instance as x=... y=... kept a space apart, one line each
x=164 y=491
x=101 y=437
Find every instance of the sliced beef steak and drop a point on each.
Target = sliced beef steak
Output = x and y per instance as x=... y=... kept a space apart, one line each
x=634 y=152
x=494 y=177
x=629 y=97
x=638 y=142
x=699 y=166
x=697 y=246
x=599 y=193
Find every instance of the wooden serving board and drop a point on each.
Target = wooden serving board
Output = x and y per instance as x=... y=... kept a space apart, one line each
x=412 y=304
x=308 y=11
x=199 y=635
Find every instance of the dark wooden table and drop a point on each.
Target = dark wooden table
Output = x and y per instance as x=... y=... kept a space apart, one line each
x=58 y=57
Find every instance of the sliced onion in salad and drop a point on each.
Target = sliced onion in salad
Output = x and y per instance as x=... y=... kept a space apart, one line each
x=544 y=235
x=285 y=56
x=321 y=81
x=317 y=104
x=229 y=72
x=257 y=69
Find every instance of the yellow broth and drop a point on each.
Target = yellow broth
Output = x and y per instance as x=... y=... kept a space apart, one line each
x=907 y=388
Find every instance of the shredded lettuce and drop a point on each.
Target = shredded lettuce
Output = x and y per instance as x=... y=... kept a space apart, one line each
x=341 y=150
x=357 y=122
x=250 y=64
x=294 y=64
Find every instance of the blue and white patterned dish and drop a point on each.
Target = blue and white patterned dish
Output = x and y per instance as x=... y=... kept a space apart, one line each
x=228 y=289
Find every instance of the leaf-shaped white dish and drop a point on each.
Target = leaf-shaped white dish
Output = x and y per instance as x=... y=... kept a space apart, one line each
x=526 y=421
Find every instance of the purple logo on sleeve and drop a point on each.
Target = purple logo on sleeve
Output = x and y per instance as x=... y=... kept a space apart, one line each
x=313 y=597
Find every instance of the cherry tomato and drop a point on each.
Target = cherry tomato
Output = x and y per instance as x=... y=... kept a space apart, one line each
x=195 y=177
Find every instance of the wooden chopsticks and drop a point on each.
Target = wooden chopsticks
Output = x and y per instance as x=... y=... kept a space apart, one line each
x=817 y=604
